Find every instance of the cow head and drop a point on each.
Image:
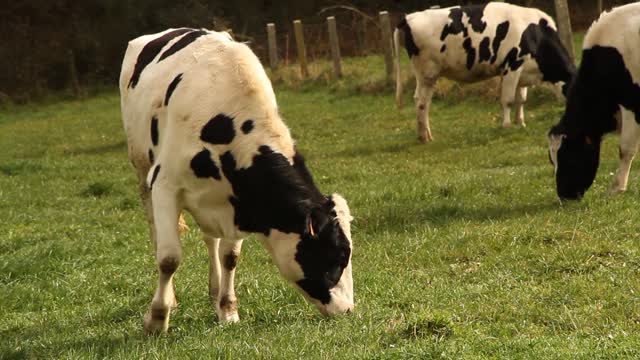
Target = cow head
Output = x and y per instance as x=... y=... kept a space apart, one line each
x=575 y=158
x=318 y=261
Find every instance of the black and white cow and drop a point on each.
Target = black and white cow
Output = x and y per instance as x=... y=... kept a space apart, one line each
x=204 y=135
x=604 y=97
x=477 y=42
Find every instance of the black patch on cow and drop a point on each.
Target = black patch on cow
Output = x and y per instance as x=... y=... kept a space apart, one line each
x=219 y=130
x=475 y=14
x=247 y=126
x=228 y=305
x=455 y=26
x=302 y=170
x=151 y=156
x=172 y=87
x=511 y=61
x=154 y=131
x=471 y=52
x=182 y=43
x=602 y=83
x=203 y=166
x=275 y=194
x=158 y=314
x=154 y=176
x=443 y=48
x=270 y=194
x=543 y=43
x=150 y=51
x=230 y=261
x=169 y=265
x=409 y=43
x=501 y=33
x=323 y=256
x=484 y=52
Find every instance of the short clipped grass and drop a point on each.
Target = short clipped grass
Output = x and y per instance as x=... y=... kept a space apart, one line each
x=461 y=249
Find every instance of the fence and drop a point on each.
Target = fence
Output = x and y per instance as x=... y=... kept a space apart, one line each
x=350 y=33
x=347 y=31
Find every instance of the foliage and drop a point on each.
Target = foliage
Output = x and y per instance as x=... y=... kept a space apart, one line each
x=44 y=41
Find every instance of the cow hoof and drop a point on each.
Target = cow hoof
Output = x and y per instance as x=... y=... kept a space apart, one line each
x=155 y=326
x=228 y=318
x=423 y=139
x=616 y=190
x=506 y=125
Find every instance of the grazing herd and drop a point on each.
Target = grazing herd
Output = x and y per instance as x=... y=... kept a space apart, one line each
x=204 y=135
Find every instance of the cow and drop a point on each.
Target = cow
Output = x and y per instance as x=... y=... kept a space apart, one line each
x=204 y=135
x=604 y=97
x=478 y=42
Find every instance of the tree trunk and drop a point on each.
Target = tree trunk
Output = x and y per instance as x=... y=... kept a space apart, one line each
x=564 y=26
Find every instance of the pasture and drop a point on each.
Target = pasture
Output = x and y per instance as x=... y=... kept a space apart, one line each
x=461 y=248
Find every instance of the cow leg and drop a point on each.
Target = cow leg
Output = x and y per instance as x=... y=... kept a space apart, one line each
x=422 y=97
x=507 y=96
x=227 y=306
x=629 y=139
x=145 y=195
x=214 y=267
x=168 y=256
x=521 y=98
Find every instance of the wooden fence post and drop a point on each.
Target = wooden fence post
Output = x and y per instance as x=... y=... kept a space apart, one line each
x=73 y=75
x=387 y=47
x=273 y=48
x=335 y=46
x=564 y=26
x=302 y=52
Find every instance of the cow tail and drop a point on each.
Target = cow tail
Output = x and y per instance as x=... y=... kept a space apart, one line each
x=396 y=58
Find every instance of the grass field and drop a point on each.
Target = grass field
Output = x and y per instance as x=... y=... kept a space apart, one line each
x=461 y=249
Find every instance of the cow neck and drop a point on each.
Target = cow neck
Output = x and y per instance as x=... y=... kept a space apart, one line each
x=589 y=112
x=273 y=193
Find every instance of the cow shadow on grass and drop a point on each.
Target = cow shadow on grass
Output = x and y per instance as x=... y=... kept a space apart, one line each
x=79 y=334
x=368 y=150
x=441 y=215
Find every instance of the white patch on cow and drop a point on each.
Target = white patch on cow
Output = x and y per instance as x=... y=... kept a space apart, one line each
x=555 y=142
x=342 y=293
x=629 y=140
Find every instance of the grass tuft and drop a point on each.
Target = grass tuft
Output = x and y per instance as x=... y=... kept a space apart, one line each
x=435 y=327
x=98 y=189
x=20 y=167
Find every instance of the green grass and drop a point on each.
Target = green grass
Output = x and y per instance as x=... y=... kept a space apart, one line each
x=461 y=249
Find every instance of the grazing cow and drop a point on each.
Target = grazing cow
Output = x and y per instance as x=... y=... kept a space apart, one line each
x=204 y=135
x=477 y=42
x=604 y=97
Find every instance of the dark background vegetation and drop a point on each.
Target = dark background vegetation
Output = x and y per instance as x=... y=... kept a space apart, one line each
x=78 y=45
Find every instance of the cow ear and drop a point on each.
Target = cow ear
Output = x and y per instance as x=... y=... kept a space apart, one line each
x=316 y=221
x=311 y=228
x=310 y=231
